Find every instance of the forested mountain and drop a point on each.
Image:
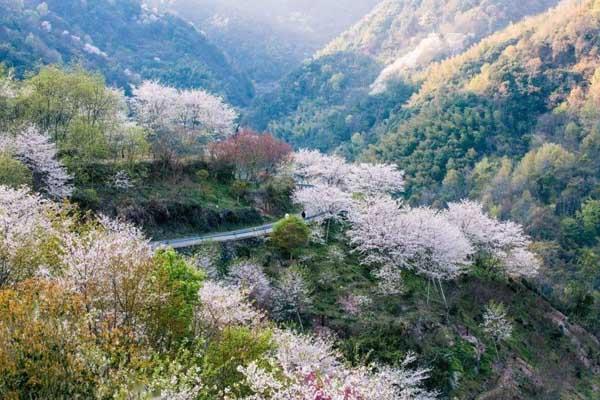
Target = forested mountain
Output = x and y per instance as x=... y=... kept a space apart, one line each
x=268 y=38
x=123 y=39
x=444 y=245
x=500 y=86
x=514 y=121
x=410 y=34
x=510 y=121
x=395 y=37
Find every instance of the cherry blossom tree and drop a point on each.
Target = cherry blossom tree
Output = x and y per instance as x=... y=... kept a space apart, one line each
x=35 y=150
x=504 y=240
x=181 y=119
x=353 y=304
x=520 y=262
x=292 y=296
x=389 y=280
x=109 y=265
x=312 y=369
x=374 y=232
x=122 y=180
x=154 y=104
x=311 y=167
x=199 y=110
x=251 y=279
x=222 y=306
x=442 y=250
x=373 y=179
x=419 y=239
x=323 y=201
x=496 y=324
x=30 y=233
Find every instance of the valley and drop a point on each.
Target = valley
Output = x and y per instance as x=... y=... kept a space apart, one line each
x=334 y=200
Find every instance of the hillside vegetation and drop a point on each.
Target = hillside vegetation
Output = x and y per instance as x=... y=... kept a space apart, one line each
x=453 y=243
x=512 y=121
x=126 y=41
x=356 y=99
x=266 y=38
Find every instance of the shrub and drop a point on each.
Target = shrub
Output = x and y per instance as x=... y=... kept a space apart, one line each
x=240 y=189
x=173 y=299
x=236 y=346
x=290 y=235
x=14 y=173
x=44 y=334
x=87 y=198
x=202 y=175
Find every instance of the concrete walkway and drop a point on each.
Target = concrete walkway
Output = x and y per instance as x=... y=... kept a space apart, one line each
x=231 y=236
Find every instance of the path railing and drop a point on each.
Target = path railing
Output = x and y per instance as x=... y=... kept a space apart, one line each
x=231 y=236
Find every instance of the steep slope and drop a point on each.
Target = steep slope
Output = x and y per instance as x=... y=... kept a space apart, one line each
x=487 y=100
x=395 y=28
x=514 y=122
x=268 y=38
x=126 y=41
x=397 y=36
x=547 y=358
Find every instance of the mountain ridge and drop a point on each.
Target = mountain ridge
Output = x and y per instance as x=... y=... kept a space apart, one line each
x=125 y=40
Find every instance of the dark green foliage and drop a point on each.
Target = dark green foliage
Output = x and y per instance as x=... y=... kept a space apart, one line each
x=324 y=103
x=448 y=134
x=13 y=173
x=135 y=44
x=168 y=204
x=330 y=100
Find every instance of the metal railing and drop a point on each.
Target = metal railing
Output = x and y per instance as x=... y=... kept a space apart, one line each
x=240 y=234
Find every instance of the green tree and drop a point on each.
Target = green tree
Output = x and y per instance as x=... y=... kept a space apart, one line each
x=290 y=235
x=83 y=144
x=590 y=218
x=235 y=346
x=173 y=299
x=68 y=103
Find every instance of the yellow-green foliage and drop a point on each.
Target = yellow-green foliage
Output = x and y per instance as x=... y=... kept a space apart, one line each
x=235 y=346
x=481 y=67
x=14 y=173
x=290 y=235
x=43 y=337
x=173 y=298
x=55 y=98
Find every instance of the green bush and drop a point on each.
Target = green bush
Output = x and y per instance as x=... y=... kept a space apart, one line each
x=202 y=175
x=240 y=189
x=290 y=235
x=173 y=300
x=87 y=198
x=14 y=173
x=234 y=347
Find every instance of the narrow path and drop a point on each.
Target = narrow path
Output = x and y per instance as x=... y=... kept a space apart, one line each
x=231 y=236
